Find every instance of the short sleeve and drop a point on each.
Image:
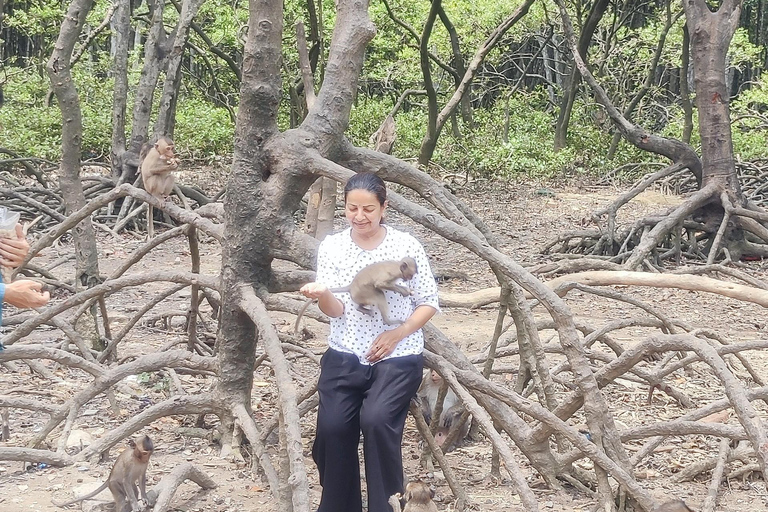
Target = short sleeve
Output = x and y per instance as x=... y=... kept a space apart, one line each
x=423 y=283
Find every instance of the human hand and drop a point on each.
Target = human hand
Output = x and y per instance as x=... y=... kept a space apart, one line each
x=313 y=290
x=14 y=250
x=26 y=294
x=384 y=344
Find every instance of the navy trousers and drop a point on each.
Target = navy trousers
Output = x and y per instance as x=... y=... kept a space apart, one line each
x=374 y=399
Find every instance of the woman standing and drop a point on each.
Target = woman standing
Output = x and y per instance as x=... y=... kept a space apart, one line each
x=371 y=370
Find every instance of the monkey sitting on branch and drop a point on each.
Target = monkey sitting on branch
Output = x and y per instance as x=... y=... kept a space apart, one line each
x=129 y=468
x=418 y=498
x=158 y=161
x=367 y=288
x=451 y=414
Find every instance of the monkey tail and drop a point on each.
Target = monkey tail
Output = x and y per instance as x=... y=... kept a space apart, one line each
x=82 y=498
x=299 y=316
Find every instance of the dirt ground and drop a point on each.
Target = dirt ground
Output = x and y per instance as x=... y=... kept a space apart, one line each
x=524 y=218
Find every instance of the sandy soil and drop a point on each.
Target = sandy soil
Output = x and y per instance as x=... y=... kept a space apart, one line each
x=524 y=219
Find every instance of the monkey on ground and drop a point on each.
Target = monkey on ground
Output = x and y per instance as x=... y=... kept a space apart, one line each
x=418 y=498
x=452 y=409
x=673 y=506
x=129 y=468
x=157 y=163
x=367 y=287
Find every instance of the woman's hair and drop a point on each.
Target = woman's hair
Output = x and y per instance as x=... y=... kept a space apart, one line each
x=367 y=181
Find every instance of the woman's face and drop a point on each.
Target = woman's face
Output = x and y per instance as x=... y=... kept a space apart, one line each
x=363 y=211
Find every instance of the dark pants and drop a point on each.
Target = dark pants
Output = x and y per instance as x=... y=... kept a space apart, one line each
x=355 y=396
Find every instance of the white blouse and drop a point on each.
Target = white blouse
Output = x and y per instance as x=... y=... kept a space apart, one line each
x=339 y=259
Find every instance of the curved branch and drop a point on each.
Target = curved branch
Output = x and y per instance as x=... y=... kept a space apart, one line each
x=288 y=402
x=162 y=494
x=651 y=239
x=176 y=405
x=107 y=288
x=683 y=282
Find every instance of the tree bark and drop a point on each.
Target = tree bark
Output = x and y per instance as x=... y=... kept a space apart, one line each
x=166 y=116
x=59 y=72
x=155 y=60
x=121 y=34
x=572 y=84
x=711 y=34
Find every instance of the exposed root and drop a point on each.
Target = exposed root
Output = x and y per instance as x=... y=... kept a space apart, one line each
x=160 y=495
x=709 y=225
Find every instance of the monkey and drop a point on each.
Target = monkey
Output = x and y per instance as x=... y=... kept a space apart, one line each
x=452 y=409
x=673 y=506
x=157 y=162
x=418 y=497
x=367 y=287
x=130 y=467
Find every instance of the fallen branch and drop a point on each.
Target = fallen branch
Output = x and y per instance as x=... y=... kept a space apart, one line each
x=161 y=494
x=290 y=426
x=626 y=278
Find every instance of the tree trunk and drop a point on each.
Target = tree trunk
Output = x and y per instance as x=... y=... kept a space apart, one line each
x=711 y=34
x=166 y=116
x=121 y=34
x=155 y=60
x=572 y=84
x=437 y=120
x=59 y=72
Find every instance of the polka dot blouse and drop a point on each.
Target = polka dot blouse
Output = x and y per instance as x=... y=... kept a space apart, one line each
x=339 y=260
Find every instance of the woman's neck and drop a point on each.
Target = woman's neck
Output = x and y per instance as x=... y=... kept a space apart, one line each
x=369 y=241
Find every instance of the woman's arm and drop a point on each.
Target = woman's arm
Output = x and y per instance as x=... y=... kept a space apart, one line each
x=387 y=341
x=326 y=301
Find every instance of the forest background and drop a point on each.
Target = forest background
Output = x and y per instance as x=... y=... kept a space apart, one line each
x=505 y=129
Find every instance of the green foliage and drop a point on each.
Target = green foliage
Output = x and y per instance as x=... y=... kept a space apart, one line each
x=27 y=125
x=749 y=115
x=527 y=153
x=203 y=130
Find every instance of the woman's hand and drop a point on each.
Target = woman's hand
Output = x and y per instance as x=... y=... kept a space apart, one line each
x=25 y=293
x=14 y=250
x=313 y=290
x=384 y=344
x=326 y=301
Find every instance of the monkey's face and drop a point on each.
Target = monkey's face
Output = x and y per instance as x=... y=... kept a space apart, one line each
x=165 y=148
x=408 y=268
x=364 y=212
x=418 y=492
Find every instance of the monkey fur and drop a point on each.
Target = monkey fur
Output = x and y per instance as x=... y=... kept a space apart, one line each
x=129 y=468
x=451 y=414
x=157 y=165
x=367 y=287
x=418 y=497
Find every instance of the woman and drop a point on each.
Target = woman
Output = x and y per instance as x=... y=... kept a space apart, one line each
x=371 y=370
